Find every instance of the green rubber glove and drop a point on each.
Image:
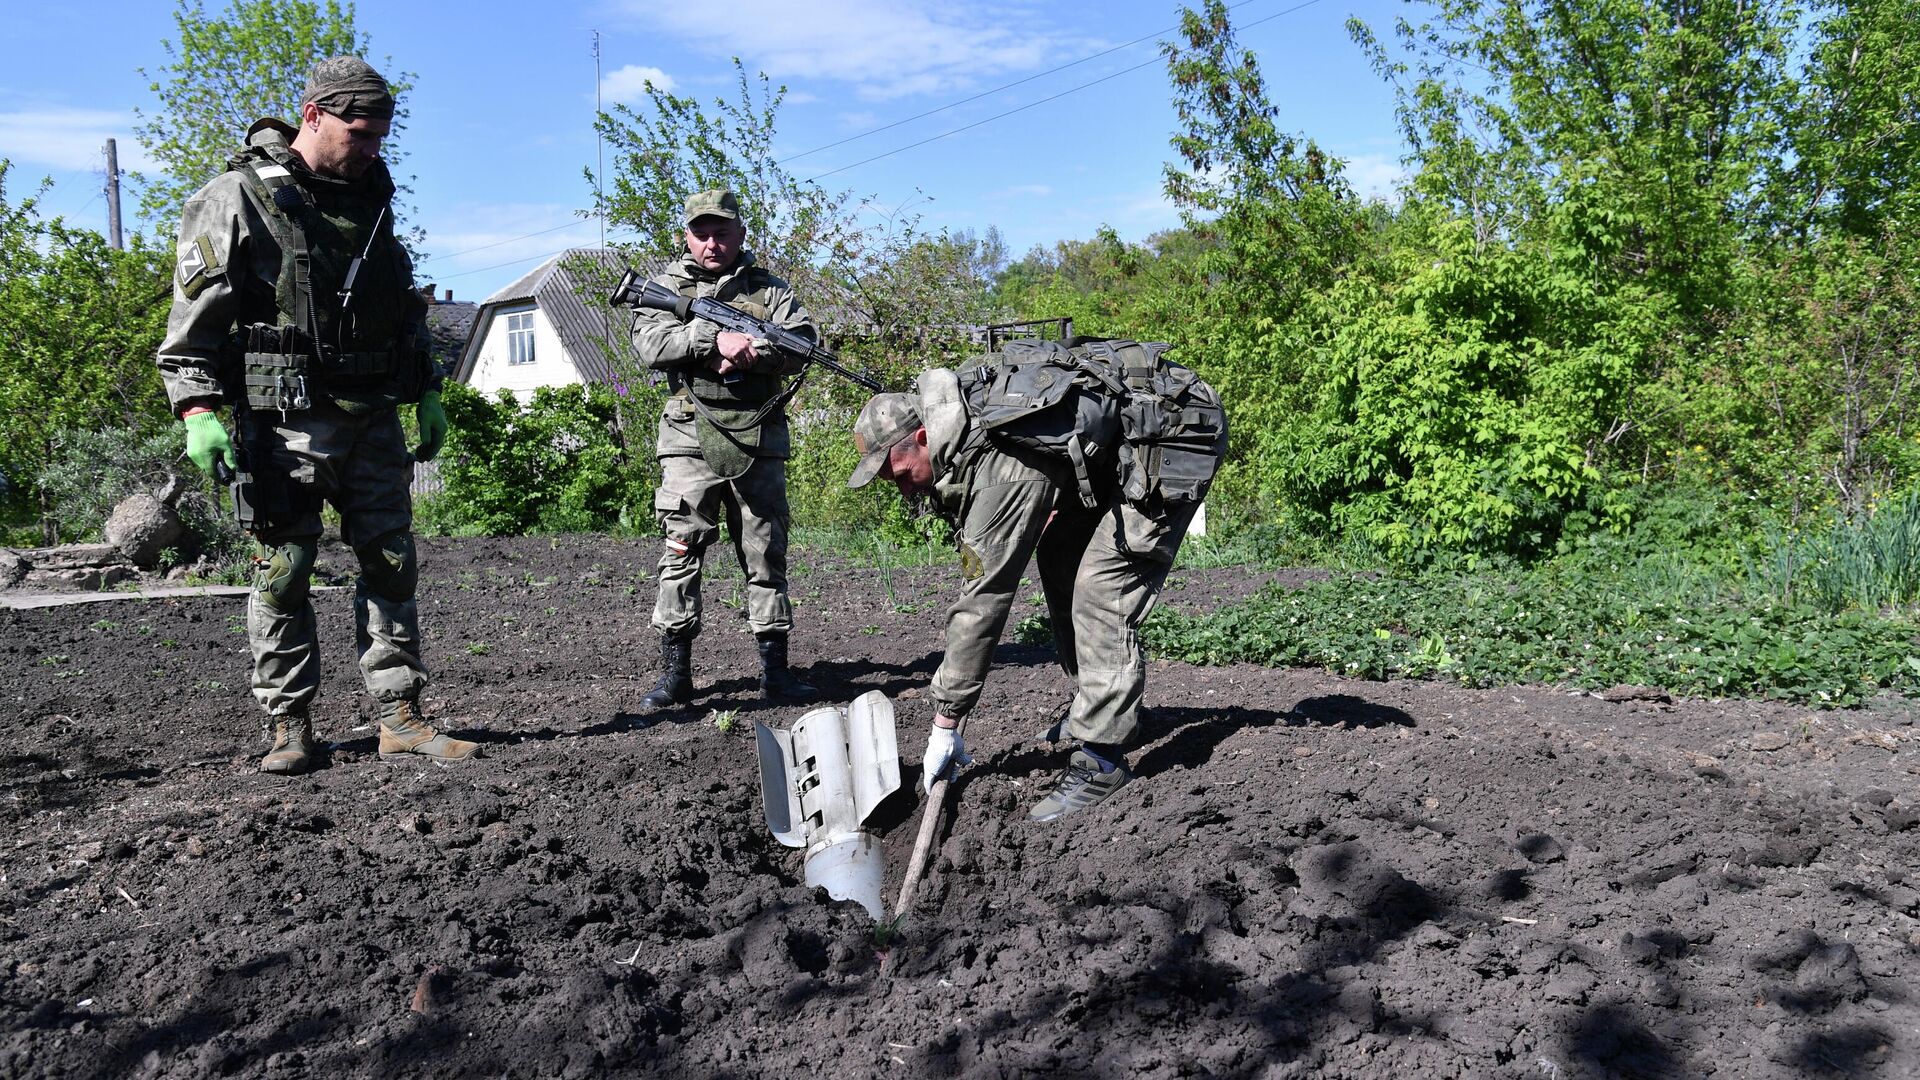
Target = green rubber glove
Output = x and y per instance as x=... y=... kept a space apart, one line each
x=207 y=440
x=433 y=425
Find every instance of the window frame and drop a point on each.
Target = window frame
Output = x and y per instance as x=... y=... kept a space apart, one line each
x=521 y=350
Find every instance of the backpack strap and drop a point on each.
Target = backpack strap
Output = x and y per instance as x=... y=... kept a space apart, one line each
x=1082 y=476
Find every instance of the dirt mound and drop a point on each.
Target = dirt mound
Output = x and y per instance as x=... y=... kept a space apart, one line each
x=1312 y=876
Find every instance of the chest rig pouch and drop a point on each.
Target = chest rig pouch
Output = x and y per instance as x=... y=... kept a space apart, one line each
x=730 y=414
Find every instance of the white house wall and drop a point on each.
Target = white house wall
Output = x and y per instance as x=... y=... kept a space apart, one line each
x=550 y=367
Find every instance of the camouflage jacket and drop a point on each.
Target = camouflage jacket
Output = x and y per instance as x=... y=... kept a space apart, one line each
x=681 y=350
x=1000 y=504
x=232 y=272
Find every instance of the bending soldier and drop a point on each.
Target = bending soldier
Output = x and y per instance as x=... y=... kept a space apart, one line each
x=723 y=452
x=1017 y=488
x=294 y=304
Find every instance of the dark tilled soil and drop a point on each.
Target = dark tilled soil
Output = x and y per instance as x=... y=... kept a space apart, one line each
x=1311 y=876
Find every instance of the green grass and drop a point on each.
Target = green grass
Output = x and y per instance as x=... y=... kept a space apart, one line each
x=1869 y=563
x=1568 y=625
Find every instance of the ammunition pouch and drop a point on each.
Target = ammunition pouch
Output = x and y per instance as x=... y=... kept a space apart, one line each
x=282 y=371
x=750 y=390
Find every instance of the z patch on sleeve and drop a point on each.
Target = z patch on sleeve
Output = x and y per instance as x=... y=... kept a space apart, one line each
x=198 y=266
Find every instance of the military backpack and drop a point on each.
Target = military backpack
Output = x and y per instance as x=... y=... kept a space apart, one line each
x=1118 y=414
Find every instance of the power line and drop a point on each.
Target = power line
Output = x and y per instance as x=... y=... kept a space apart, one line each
x=919 y=116
x=498 y=243
x=499 y=266
x=997 y=89
x=1042 y=101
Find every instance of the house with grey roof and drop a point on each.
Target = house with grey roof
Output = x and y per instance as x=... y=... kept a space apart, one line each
x=552 y=327
x=449 y=325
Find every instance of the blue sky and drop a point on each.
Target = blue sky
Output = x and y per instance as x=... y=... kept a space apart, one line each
x=502 y=113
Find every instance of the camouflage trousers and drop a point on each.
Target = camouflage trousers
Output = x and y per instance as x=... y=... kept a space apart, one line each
x=360 y=464
x=1101 y=571
x=690 y=504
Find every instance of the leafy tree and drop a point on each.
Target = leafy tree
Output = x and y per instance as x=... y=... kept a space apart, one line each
x=81 y=323
x=1815 y=396
x=1276 y=225
x=672 y=147
x=226 y=72
x=1648 y=123
x=1854 y=133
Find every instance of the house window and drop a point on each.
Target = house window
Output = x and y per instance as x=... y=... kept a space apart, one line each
x=520 y=338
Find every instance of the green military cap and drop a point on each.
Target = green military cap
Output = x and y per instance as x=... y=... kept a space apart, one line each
x=884 y=421
x=719 y=202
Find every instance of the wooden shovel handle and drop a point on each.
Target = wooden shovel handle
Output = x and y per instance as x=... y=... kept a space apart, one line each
x=929 y=824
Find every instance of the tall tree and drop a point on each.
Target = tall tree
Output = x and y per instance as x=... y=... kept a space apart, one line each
x=81 y=322
x=225 y=72
x=1275 y=223
x=1647 y=124
x=1854 y=134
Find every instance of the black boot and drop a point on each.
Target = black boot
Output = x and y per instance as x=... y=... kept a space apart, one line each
x=676 y=675
x=777 y=681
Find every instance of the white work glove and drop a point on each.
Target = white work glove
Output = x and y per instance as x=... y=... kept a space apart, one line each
x=946 y=752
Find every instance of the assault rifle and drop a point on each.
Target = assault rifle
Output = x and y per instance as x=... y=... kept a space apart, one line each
x=632 y=292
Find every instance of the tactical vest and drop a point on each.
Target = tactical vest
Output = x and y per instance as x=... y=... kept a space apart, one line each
x=316 y=344
x=731 y=415
x=745 y=392
x=1115 y=414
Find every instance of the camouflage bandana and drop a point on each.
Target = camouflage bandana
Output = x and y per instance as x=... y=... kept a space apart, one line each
x=349 y=88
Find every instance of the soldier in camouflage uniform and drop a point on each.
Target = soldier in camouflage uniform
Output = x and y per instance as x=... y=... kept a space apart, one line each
x=1101 y=566
x=294 y=305
x=723 y=451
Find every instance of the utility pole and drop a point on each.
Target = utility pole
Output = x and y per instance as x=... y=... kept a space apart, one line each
x=113 y=197
x=599 y=146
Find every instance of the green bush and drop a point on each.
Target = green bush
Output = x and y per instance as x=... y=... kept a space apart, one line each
x=1464 y=403
x=559 y=463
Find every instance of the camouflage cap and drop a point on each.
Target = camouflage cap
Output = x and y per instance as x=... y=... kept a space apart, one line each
x=883 y=422
x=349 y=88
x=719 y=202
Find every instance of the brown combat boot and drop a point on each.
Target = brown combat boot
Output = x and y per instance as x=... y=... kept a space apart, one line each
x=294 y=749
x=404 y=731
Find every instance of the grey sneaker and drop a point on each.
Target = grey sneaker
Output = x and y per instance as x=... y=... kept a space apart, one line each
x=1080 y=785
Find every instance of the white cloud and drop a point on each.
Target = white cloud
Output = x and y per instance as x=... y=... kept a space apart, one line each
x=628 y=84
x=886 y=48
x=1376 y=176
x=70 y=139
x=859 y=119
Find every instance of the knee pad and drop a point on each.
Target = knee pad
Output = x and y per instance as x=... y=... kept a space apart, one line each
x=388 y=566
x=282 y=573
